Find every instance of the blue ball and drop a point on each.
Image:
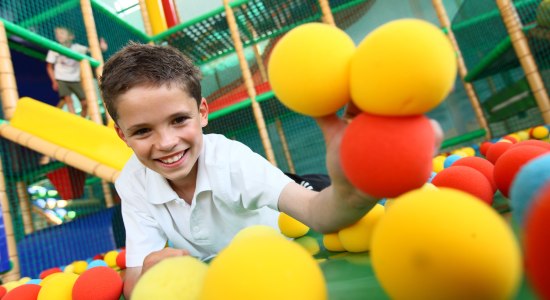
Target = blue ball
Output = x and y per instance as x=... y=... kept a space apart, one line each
x=34 y=281
x=527 y=183
x=97 y=263
x=432 y=177
x=450 y=160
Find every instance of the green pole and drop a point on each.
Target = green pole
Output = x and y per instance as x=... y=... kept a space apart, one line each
x=101 y=7
x=44 y=42
x=463 y=138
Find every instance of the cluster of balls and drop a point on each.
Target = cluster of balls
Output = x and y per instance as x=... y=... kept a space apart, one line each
x=97 y=278
x=259 y=263
x=432 y=242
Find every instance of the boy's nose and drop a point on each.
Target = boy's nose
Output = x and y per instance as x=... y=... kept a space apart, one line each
x=166 y=140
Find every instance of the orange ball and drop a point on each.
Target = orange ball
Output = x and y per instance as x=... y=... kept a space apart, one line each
x=48 y=272
x=496 y=150
x=98 y=283
x=466 y=179
x=483 y=147
x=23 y=292
x=121 y=259
x=387 y=156
x=536 y=143
x=482 y=165
x=510 y=162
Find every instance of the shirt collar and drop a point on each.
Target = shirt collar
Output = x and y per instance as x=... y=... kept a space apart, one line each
x=159 y=190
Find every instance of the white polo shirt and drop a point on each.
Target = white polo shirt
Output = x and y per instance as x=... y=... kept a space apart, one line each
x=235 y=188
x=66 y=69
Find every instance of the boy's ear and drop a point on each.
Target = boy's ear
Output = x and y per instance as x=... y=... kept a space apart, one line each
x=203 y=111
x=120 y=134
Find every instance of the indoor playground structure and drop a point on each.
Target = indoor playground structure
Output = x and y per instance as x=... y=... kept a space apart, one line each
x=469 y=221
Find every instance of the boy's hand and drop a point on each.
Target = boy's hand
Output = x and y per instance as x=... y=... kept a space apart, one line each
x=155 y=257
x=55 y=87
x=103 y=44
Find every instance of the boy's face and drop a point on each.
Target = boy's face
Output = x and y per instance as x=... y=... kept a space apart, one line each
x=63 y=36
x=164 y=129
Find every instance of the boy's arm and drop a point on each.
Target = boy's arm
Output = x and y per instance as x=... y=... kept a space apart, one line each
x=131 y=276
x=51 y=74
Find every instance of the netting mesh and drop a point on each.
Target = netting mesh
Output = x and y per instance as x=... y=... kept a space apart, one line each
x=492 y=63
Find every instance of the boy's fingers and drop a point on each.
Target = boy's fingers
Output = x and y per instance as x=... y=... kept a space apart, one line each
x=438 y=132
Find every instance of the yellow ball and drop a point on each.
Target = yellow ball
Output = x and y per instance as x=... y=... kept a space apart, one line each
x=173 y=278
x=255 y=231
x=310 y=244
x=269 y=268
x=59 y=286
x=79 y=266
x=405 y=67
x=110 y=258
x=358 y=237
x=291 y=227
x=523 y=135
x=469 y=151
x=540 y=132
x=438 y=163
x=445 y=244
x=309 y=69
x=331 y=241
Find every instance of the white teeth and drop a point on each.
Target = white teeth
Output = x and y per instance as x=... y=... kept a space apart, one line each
x=172 y=159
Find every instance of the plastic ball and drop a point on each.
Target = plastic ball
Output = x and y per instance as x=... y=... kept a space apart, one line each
x=482 y=165
x=438 y=163
x=110 y=258
x=537 y=245
x=451 y=159
x=309 y=69
x=180 y=277
x=269 y=268
x=23 y=292
x=466 y=179
x=527 y=183
x=331 y=241
x=357 y=237
x=101 y=283
x=79 y=266
x=121 y=259
x=389 y=73
x=536 y=143
x=48 y=272
x=510 y=163
x=539 y=132
x=3 y=291
x=496 y=150
x=379 y=161
x=33 y=281
x=291 y=227
x=96 y=263
x=484 y=147
x=523 y=135
x=57 y=286
x=309 y=243
x=445 y=244
x=254 y=231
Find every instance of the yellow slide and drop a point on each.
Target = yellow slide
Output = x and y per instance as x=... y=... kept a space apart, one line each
x=67 y=130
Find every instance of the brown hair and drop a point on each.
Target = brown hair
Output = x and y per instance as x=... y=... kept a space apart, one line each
x=149 y=66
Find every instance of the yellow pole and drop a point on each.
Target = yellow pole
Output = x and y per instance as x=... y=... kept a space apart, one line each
x=284 y=143
x=521 y=46
x=91 y=33
x=258 y=115
x=145 y=17
x=14 y=273
x=156 y=16
x=462 y=70
x=24 y=204
x=8 y=86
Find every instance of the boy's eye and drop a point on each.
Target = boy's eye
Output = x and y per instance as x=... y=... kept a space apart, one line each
x=179 y=120
x=141 y=131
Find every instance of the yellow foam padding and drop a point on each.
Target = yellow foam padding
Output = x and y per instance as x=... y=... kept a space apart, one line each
x=156 y=16
x=70 y=131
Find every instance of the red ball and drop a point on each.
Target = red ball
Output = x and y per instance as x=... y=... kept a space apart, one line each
x=482 y=165
x=466 y=179
x=121 y=259
x=98 y=283
x=537 y=244
x=510 y=138
x=3 y=291
x=537 y=143
x=388 y=156
x=98 y=257
x=510 y=163
x=23 y=292
x=48 y=272
x=496 y=150
x=483 y=147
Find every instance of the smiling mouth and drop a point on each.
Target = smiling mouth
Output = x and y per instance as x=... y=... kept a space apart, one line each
x=172 y=159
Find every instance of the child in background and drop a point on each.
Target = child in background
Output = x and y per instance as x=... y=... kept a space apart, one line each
x=198 y=190
x=64 y=72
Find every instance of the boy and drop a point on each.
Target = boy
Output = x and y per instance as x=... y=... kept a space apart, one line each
x=195 y=190
x=64 y=72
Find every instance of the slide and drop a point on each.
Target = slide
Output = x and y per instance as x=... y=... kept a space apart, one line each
x=96 y=142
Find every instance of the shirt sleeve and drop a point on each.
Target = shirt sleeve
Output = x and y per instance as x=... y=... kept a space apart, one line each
x=51 y=57
x=260 y=183
x=143 y=233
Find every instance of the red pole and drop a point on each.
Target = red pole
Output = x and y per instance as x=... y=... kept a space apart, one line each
x=170 y=13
